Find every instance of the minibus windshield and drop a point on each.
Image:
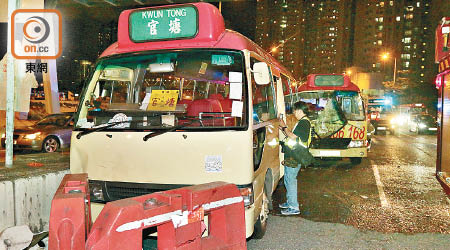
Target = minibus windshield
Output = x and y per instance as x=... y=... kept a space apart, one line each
x=351 y=104
x=166 y=90
x=327 y=115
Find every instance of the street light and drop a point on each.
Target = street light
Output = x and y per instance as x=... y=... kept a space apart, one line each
x=275 y=48
x=386 y=56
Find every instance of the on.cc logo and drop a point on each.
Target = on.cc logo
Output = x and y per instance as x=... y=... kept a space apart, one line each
x=36 y=29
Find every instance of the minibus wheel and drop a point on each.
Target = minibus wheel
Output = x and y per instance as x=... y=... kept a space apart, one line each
x=356 y=160
x=261 y=223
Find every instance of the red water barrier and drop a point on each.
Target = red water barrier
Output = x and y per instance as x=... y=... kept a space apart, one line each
x=178 y=216
x=70 y=214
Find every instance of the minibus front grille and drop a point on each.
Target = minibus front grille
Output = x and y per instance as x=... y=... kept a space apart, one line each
x=123 y=190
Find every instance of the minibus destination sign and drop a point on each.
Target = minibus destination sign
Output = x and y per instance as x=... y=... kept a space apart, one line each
x=163 y=24
x=329 y=80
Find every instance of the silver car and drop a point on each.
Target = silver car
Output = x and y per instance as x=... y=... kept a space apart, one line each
x=49 y=134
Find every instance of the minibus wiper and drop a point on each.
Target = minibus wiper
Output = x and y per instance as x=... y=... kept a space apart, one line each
x=199 y=119
x=153 y=134
x=101 y=127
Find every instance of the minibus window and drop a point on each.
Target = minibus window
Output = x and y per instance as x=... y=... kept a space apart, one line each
x=207 y=86
x=263 y=100
x=352 y=105
x=288 y=98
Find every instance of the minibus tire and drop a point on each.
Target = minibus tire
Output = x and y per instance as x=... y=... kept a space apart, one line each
x=356 y=160
x=261 y=225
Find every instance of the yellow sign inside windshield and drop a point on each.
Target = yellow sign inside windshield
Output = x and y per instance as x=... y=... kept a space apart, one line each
x=163 y=100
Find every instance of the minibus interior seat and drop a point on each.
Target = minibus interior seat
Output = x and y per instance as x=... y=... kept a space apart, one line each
x=216 y=96
x=226 y=107
x=206 y=105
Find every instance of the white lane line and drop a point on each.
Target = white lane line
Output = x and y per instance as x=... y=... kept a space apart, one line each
x=383 y=200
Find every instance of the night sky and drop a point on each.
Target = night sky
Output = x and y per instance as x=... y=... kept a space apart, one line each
x=241 y=17
x=80 y=24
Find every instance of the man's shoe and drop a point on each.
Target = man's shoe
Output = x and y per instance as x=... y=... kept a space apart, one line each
x=290 y=211
x=283 y=205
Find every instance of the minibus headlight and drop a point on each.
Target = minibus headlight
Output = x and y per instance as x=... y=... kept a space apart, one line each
x=96 y=191
x=356 y=144
x=247 y=195
x=422 y=125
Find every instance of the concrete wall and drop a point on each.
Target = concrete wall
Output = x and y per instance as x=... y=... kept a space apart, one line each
x=366 y=81
x=27 y=201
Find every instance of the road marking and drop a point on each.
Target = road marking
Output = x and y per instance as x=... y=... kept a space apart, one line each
x=383 y=200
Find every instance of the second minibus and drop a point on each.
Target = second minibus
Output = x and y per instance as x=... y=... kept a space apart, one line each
x=340 y=121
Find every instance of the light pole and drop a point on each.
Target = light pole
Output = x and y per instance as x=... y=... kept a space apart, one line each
x=385 y=57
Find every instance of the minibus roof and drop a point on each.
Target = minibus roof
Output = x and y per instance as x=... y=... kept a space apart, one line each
x=211 y=33
x=311 y=86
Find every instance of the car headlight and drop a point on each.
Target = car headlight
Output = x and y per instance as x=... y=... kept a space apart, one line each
x=422 y=125
x=32 y=136
x=96 y=191
x=356 y=144
x=247 y=195
x=3 y=135
x=398 y=120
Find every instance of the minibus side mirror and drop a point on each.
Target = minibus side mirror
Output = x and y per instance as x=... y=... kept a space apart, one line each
x=261 y=73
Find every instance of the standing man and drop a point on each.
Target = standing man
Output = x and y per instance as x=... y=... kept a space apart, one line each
x=301 y=133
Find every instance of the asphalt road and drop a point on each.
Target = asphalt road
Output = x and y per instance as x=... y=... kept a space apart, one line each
x=390 y=201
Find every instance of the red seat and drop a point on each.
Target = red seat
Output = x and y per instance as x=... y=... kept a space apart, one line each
x=227 y=105
x=185 y=101
x=216 y=96
x=206 y=105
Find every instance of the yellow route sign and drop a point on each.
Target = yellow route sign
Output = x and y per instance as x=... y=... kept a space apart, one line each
x=163 y=100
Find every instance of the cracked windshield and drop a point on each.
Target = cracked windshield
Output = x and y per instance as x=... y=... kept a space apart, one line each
x=184 y=88
x=332 y=109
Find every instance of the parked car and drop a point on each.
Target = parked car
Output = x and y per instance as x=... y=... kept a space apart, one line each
x=423 y=124
x=49 y=134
